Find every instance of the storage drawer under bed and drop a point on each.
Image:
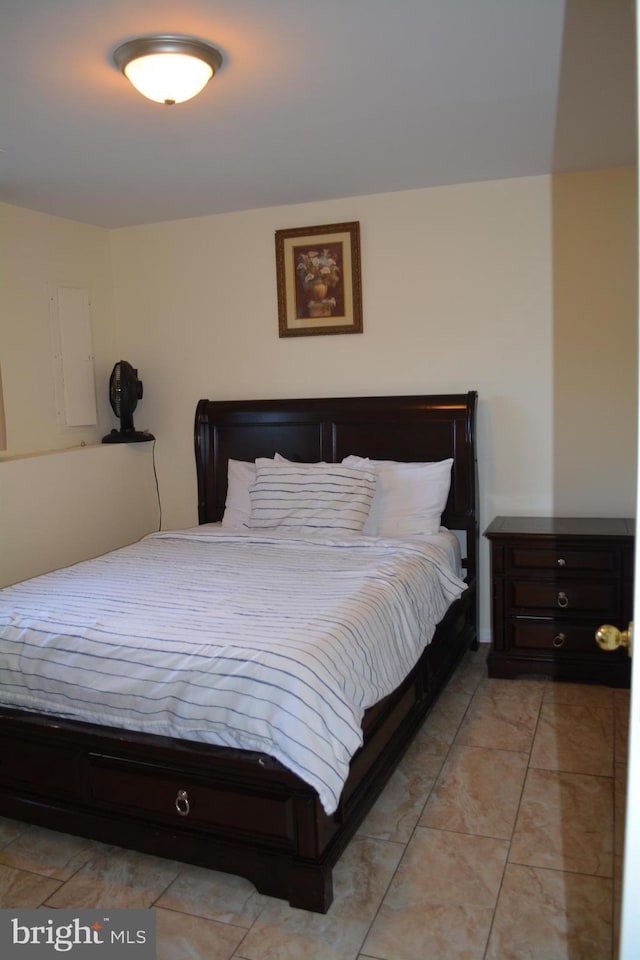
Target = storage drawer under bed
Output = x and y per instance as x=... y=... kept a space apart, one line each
x=32 y=765
x=159 y=793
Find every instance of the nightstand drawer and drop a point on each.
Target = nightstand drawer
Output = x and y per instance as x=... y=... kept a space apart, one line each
x=556 y=637
x=562 y=560
x=598 y=598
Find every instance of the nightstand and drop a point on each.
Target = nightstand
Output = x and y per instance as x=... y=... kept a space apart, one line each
x=554 y=581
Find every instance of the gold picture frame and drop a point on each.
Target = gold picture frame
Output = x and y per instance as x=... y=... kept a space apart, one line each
x=319 y=280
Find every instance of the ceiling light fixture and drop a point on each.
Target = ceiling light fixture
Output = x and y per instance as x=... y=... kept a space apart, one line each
x=168 y=68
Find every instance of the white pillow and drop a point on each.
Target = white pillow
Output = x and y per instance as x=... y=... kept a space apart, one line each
x=410 y=497
x=240 y=475
x=310 y=496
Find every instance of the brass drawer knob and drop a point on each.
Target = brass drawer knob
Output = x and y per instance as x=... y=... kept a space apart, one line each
x=563 y=599
x=561 y=562
x=182 y=803
x=559 y=639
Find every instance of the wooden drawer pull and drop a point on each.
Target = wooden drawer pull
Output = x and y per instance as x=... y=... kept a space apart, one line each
x=182 y=803
x=559 y=639
x=563 y=599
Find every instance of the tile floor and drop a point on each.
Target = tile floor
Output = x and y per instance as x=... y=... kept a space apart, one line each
x=500 y=836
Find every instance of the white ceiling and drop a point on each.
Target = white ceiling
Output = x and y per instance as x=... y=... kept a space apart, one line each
x=316 y=99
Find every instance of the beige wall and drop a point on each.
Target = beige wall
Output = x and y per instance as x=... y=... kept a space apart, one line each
x=466 y=287
x=63 y=507
x=595 y=329
x=456 y=283
x=39 y=253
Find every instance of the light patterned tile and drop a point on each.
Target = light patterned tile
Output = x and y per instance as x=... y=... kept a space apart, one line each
x=618 y=866
x=470 y=672
x=477 y=792
x=565 y=822
x=214 y=896
x=578 y=739
x=118 y=878
x=559 y=916
x=442 y=899
x=21 y=889
x=396 y=812
x=48 y=852
x=619 y=807
x=621 y=724
x=442 y=723
x=529 y=691
x=10 y=830
x=182 y=937
x=501 y=723
x=361 y=877
x=580 y=694
x=622 y=696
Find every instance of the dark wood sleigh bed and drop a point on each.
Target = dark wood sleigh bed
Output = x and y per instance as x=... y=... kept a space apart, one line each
x=238 y=811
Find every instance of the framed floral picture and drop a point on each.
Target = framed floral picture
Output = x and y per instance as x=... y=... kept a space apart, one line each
x=319 y=282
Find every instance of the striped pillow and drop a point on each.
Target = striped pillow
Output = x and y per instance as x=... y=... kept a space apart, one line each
x=311 y=496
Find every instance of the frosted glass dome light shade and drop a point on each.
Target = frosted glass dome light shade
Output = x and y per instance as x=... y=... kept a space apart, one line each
x=168 y=77
x=168 y=69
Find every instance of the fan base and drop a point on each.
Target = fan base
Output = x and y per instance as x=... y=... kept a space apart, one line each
x=128 y=436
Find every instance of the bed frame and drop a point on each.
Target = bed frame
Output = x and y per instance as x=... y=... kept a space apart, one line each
x=233 y=810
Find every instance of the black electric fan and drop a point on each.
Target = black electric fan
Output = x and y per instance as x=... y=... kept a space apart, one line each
x=124 y=392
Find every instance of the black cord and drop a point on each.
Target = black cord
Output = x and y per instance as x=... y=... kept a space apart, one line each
x=155 y=474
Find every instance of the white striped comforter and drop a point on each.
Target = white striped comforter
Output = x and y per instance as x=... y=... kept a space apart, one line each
x=263 y=642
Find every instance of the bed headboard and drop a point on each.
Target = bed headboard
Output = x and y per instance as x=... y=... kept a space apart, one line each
x=383 y=428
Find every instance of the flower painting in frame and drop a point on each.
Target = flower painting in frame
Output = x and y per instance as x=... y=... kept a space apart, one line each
x=319 y=282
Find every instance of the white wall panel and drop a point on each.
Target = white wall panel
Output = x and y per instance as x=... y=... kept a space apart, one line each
x=73 y=358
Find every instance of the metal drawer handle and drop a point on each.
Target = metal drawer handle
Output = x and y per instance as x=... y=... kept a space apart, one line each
x=559 y=639
x=182 y=803
x=563 y=600
x=561 y=562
